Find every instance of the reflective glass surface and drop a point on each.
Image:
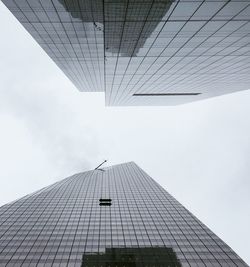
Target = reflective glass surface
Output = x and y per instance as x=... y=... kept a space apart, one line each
x=64 y=225
x=144 y=52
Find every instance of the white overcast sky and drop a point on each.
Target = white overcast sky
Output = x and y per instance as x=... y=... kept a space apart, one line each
x=199 y=152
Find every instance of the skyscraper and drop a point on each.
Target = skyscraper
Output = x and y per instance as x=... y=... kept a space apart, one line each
x=114 y=216
x=144 y=52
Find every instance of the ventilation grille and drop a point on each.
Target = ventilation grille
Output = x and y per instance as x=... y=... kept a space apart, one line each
x=168 y=94
x=105 y=202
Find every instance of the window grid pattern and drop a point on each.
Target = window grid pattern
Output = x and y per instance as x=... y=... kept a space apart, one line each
x=58 y=225
x=185 y=46
x=193 y=48
x=71 y=32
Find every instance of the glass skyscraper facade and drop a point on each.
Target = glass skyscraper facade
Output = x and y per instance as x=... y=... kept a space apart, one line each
x=114 y=216
x=144 y=52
